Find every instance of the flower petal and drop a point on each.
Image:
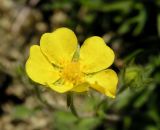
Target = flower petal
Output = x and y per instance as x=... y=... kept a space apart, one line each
x=38 y=67
x=59 y=46
x=104 y=82
x=95 y=55
x=81 y=87
x=61 y=88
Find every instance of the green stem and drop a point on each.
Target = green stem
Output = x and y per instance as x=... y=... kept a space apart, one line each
x=70 y=104
x=43 y=101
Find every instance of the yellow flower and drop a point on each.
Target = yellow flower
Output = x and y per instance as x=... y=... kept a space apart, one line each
x=55 y=63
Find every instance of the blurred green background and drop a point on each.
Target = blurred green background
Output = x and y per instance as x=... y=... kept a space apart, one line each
x=130 y=27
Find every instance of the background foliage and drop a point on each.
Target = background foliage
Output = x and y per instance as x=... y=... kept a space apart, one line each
x=130 y=27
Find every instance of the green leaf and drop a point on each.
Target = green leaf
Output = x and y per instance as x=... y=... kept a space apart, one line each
x=67 y=121
x=88 y=123
x=158 y=24
x=141 y=19
x=64 y=120
x=143 y=98
x=150 y=127
x=22 y=112
x=99 y=5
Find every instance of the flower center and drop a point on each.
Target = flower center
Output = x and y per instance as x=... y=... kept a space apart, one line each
x=71 y=72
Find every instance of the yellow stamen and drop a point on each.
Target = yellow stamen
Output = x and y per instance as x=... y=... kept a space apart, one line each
x=72 y=73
